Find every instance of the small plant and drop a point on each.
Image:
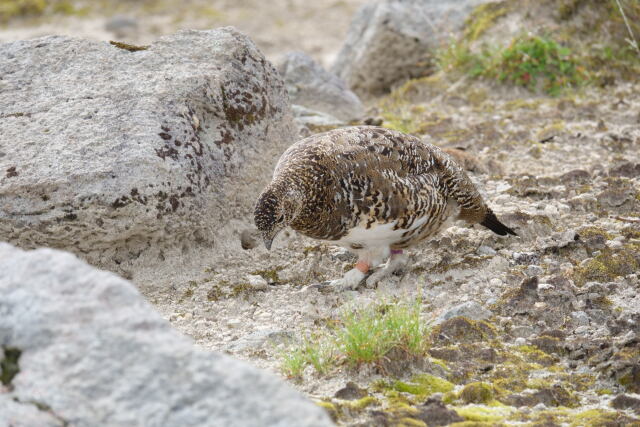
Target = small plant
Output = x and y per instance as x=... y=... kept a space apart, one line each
x=293 y=363
x=537 y=63
x=361 y=336
x=530 y=61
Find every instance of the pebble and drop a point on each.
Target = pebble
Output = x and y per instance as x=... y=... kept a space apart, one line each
x=580 y=318
x=534 y=270
x=257 y=282
x=486 y=250
x=614 y=244
x=520 y=341
x=581 y=330
x=495 y=282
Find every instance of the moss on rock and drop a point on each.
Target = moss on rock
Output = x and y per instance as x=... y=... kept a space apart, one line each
x=477 y=392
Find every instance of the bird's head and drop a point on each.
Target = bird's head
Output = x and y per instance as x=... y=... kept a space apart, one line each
x=277 y=206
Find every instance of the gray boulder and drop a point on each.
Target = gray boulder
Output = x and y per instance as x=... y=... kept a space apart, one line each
x=115 y=152
x=311 y=86
x=470 y=309
x=394 y=40
x=94 y=352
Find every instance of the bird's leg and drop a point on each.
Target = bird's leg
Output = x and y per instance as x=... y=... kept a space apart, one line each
x=353 y=277
x=397 y=261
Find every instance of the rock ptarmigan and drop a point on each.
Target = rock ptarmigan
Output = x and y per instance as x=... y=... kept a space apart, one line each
x=371 y=190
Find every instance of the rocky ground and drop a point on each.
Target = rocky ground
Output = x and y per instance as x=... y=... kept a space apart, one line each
x=560 y=343
x=540 y=329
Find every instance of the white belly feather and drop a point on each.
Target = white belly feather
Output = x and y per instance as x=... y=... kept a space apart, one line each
x=378 y=235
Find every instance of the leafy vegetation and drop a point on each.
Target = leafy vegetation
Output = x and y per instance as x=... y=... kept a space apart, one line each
x=537 y=63
x=360 y=336
x=595 y=43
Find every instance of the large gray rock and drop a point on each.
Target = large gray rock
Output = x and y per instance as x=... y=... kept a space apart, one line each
x=94 y=352
x=112 y=153
x=25 y=414
x=311 y=86
x=393 y=40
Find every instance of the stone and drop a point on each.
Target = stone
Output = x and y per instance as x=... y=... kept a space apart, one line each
x=393 y=40
x=623 y=401
x=486 y=250
x=580 y=318
x=351 y=391
x=435 y=413
x=95 y=352
x=534 y=270
x=316 y=121
x=121 y=156
x=470 y=309
x=459 y=330
x=311 y=86
x=257 y=282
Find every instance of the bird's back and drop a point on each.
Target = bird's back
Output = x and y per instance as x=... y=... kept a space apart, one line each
x=367 y=176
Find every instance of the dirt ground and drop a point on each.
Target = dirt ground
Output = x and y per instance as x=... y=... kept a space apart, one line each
x=277 y=26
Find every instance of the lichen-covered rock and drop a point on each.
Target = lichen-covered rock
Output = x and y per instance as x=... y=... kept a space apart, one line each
x=461 y=330
x=435 y=413
x=92 y=351
x=393 y=40
x=470 y=309
x=112 y=153
x=312 y=87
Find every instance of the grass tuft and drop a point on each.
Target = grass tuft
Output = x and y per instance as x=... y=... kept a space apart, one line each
x=361 y=336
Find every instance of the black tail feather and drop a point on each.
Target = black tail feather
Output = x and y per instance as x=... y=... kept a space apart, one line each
x=493 y=223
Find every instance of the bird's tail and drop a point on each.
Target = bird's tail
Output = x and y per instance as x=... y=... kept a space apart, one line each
x=493 y=223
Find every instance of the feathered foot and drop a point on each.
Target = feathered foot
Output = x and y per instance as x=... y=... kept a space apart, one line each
x=397 y=261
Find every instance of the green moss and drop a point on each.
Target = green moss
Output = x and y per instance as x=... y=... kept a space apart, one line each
x=477 y=392
x=330 y=408
x=483 y=413
x=129 y=47
x=9 y=365
x=593 y=231
x=482 y=18
x=410 y=422
x=214 y=294
x=360 y=404
x=439 y=362
x=533 y=354
x=604 y=392
x=270 y=276
x=21 y=8
x=474 y=424
x=606 y=266
x=594 y=418
x=424 y=385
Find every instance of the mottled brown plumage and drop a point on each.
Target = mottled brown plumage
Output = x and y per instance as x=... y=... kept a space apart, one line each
x=369 y=189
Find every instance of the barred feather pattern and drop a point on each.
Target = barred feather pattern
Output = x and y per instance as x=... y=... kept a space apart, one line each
x=365 y=176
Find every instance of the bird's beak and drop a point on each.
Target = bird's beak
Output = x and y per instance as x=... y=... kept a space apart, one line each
x=267 y=243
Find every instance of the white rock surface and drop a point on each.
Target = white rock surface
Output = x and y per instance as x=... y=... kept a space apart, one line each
x=111 y=154
x=311 y=86
x=393 y=40
x=16 y=414
x=96 y=353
